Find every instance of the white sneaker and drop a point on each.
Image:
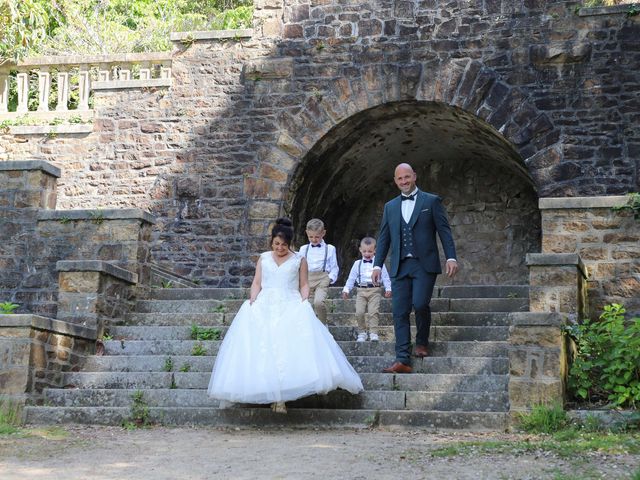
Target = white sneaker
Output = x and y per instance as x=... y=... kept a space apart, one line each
x=373 y=337
x=362 y=337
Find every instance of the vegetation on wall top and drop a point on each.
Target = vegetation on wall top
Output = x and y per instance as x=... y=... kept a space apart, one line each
x=59 y=27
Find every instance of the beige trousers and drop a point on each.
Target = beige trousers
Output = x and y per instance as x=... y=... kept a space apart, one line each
x=368 y=300
x=318 y=290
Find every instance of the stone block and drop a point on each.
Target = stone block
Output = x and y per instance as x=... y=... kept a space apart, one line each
x=552 y=276
x=14 y=381
x=79 y=282
x=541 y=337
x=263 y=210
x=525 y=394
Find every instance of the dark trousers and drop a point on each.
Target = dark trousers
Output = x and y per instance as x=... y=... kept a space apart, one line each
x=412 y=287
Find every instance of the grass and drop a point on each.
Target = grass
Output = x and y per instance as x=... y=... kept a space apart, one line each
x=10 y=416
x=567 y=444
x=544 y=419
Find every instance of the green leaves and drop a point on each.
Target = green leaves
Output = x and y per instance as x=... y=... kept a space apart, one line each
x=8 y=307
x=607 y=364
x=42 y=27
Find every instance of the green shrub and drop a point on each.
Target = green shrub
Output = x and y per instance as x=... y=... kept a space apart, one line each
x=607 y=363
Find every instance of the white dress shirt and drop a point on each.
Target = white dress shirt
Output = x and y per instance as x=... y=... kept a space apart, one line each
x=315 y=259
x=408 y=206
x=365 y=270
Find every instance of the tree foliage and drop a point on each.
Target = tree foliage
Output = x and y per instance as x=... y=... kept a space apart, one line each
x=37 y=27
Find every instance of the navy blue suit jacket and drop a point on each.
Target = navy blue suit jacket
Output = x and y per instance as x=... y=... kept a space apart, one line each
x=428 y=218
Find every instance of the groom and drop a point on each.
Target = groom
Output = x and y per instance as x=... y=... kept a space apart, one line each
x=409 y=226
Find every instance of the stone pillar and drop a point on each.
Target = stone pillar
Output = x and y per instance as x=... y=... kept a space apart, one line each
x=94 y=293
x=537 y=360
x=558 y=283
x=28 y=187
x=35 y=351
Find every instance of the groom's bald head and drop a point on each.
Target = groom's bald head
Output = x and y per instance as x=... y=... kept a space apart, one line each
x=405 y=178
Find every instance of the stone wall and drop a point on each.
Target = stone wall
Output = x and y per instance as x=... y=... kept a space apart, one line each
x=36 y=351
x=26 y=188
x=607 y=240
x=527 y=89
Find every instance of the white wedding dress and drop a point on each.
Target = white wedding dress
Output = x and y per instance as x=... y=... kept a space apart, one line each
x=276 y=349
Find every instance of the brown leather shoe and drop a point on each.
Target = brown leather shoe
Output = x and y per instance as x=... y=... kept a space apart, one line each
x=420 y=351
x=398 y=367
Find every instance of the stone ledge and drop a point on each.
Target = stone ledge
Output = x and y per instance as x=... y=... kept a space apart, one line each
x=613 y=10
x=45 y=117
x=583 y=202
x=108 y=214
x=131 y=84
x=211 y=35
x=31 y=165
x=90 y=59
x=49 y=324
x=51 y=129
x=548 y=259
x=97 y=266
x=537 y=319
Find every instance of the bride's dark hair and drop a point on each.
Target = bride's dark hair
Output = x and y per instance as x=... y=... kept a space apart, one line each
x=283 y=229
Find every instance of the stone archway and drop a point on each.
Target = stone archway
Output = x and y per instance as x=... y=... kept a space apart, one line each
x=347 y=176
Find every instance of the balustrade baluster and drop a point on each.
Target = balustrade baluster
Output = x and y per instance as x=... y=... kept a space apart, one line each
x=63 y=91
x=145 y=71
x=165 y=70
x=125 y=72
x=84 y=87
x=22 y=80
x=104 y=74
x=4 y=92
x=44 y=88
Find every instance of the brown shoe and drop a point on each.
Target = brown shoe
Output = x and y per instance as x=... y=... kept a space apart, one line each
x=420 y=351
x=398 y=367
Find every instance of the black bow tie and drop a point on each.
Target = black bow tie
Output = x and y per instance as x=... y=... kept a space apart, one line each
x=408 y=197
x=367 y=261
x=314 y=246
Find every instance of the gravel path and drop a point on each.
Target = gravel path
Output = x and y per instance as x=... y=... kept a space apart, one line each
x=100 y=453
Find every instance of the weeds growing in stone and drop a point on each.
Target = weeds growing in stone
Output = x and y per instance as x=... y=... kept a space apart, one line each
x=139 y=413
x=202 y=333
x=7 y=308
x=168 y=365
x=198 y=350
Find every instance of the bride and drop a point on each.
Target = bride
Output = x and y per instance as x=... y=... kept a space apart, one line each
x=276 y=349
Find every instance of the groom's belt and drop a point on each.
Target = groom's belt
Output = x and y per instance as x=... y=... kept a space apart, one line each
x=367 y=285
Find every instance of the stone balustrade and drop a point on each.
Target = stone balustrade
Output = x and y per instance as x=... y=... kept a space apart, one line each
x=86 y=73
x=93 y=293
x=35 y=351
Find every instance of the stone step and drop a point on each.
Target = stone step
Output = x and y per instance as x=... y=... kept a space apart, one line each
x=421 y=382
x=264 y=417
x=362 y=364
x=340 y=333
x=381 y=400
x=454 y=291
x=350 y=348
x=336 y=305
x=171 y=319
x=337 y=318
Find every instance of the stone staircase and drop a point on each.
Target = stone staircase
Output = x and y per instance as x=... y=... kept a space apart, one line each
x=463 y=384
